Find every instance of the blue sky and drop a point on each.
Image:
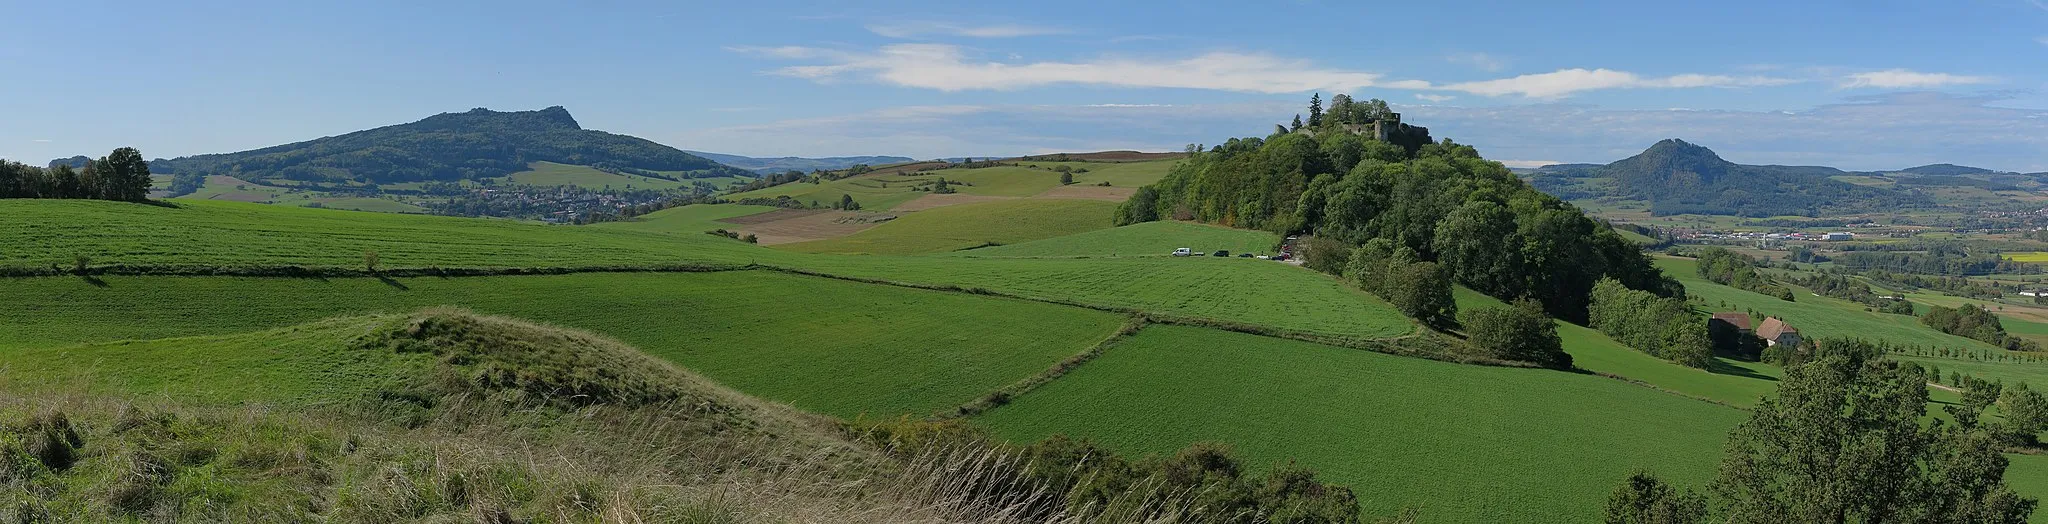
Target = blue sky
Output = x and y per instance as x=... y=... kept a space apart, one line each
x=1866 y=84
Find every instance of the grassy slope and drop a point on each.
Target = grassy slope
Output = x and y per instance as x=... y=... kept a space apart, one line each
x=1464 y=443
x=1813 y=315
x=553 y=174
x=1119 y=174
x=872 y=193
x=965 y=226
x=690 y=220
x=301 y=364
x=1732 y=382
x=834 y=347
x=881 y=192
x=227 y=234
x=1149 y=238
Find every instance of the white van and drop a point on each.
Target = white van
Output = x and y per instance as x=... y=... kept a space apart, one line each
x=1181 y=252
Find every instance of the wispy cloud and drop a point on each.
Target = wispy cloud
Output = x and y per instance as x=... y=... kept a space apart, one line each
x=1480 y=61
x=1426 y=97
x=1879 y=132
x=1906 y=79
x=918 y=29
x=1565 y=82
x=1529 y=164
x=42 y=140
x=947 y=68
x=2043 y=39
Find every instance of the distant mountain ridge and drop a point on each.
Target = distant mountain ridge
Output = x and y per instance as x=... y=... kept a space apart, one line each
x=1678 y=177
x=789 y=163
x=479 y=143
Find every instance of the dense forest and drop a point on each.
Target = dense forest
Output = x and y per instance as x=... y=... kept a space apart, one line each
x=1938 y=260
x=121 y=175
x=454 y=146
x=1440 y=201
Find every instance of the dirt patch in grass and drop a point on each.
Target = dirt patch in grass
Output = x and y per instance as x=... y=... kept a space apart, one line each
x=809 y=224
x=771 y=216
x=1080 y=192
x=942 y=200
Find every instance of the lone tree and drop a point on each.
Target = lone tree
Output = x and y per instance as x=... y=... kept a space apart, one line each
x=1066 y=178
x=1315 y=110
x=1845 y=441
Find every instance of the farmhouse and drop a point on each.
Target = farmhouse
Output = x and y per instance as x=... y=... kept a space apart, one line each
x=1734 y=319
x=1775 y=331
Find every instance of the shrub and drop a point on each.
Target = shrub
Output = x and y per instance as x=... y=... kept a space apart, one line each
x=1519 y=332
x=1324 y=254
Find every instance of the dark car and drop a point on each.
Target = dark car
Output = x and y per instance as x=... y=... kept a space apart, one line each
x=1244 y=255
x=1220 y=253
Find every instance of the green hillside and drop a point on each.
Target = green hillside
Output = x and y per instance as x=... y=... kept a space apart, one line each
x=966 y=226
x=1145 y=239
x=1462 y=443
x=479 y=143
x=860 y=348
x=553 y=174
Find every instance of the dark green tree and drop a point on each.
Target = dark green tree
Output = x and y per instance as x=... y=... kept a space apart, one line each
x=1844 y=441
x=1520 y=332
x=1296 y=125
x=1642 y=499
x=1315 y=110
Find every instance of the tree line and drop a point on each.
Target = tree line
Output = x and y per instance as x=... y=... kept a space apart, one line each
x=121 y=175
x=1977 y=323
x=1738 y=271
x=1664 y=327
x=1440 y=200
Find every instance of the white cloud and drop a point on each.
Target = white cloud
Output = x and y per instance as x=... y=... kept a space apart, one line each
x=1529 y=164
x=2043 y=39
x=947 y=68
x=1906 y=79
x=1426 y=97
x=998 y=130
x=1565 y=82
x=917 y=29
x=1481 y=61
x=41 y=140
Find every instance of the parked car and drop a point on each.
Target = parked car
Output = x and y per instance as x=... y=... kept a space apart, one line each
x=1244 y=255
x=1181 y=252
x=1220 y=253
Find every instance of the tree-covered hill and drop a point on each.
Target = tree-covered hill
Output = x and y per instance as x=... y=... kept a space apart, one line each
x=1946 y=170
x=479 y=143
x=1677 y=177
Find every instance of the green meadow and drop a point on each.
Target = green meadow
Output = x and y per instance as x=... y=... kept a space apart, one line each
x=1461 y=443
x=1142 y=239
x=690 y=220
x=966 y=226
x=1813 y=315
x=1119 y=174
x=553 y=174
x=835 y=347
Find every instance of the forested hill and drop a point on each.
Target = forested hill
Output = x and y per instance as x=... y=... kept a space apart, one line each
x=794 y=163
x=1677 y=177
x=1373 y=209
x=451 y=146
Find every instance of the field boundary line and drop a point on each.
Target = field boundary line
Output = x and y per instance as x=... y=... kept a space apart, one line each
x=1004 y=395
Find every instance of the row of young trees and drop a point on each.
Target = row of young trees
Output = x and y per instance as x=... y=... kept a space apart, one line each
x=1738 y=271
x=1442 y=201
x=122 y=175
x=1847 y=439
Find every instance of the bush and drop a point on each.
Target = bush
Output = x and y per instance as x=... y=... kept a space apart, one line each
x=1520 y=332
x=1323 y=254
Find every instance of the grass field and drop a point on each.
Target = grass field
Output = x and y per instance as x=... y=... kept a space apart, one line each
x=966 y=226
x=297 y=365
x=1815 y=316
x=553 y=174
x=1462 y=443
x=380 y=205
x=874 y=193
x=692 y=219
x=1119 y=174
x=238 y=234
x=1732 y=382
x=882 y=192
x=2028 y=256
x=834 y=347
x=1142 y=239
